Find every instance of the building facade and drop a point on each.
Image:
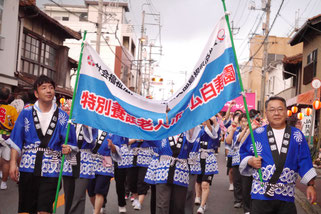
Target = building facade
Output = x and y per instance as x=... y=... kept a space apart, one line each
x=33 y=45
x=9 y=29
x=117 y=45
x=278 y=47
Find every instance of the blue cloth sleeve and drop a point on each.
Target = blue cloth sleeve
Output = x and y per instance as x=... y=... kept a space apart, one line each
x=245 y=154
x=306 y=170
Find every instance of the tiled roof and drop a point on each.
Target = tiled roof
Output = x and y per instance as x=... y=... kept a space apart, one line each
x=292 y=59
x=311 y=24
x=27 y=2
x=29 y=6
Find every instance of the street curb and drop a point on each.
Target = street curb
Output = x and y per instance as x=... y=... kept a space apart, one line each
x=301 y=199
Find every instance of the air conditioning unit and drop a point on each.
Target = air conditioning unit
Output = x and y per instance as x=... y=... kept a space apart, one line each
x=2 y=43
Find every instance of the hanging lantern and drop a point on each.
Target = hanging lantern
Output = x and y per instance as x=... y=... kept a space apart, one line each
x=294 y=109
x=308 y=111
x=62 y=101
x=289 y=113
x=300 y=116
x=316 y=104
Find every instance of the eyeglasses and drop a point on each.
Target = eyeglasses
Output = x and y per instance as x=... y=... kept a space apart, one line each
x=274 y=110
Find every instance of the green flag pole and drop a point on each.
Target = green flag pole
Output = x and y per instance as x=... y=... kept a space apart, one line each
x=241 y=84
x=68 y=126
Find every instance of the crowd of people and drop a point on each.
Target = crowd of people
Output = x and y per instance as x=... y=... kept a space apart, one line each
x=179 y=170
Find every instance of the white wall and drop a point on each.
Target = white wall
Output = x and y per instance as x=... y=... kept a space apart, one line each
x=275 y=83
x=9 y=31
x=109 y=25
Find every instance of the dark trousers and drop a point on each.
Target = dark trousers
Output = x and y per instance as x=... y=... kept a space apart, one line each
x=237 y=182
x=272 y=207
x=246 y=192
x=153 y=199
x=69 y=189
x=170 y=199
x=136 y=177
x=120 y=178
x=75 y=194
x=190 y=195
x=36 y=193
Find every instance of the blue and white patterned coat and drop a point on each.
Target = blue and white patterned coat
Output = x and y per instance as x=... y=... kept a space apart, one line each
x=212 y=139
x=181 y=172
x=298 y=162
x=126 y=157
x=25 y=140
x=150 y=176
x=144 y=153
x=104 y=153
x=235 y=149
x=86 y=156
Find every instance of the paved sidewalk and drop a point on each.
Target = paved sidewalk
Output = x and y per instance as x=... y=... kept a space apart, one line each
x=300 y=196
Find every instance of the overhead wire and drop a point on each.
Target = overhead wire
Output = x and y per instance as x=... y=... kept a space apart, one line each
x=236 y=9
x=114 y=33
x=69 y=11
x=254 y=32
x=239 y=19
x=267 y=35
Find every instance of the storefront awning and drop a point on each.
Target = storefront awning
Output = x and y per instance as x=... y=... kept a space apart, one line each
x=305 y=98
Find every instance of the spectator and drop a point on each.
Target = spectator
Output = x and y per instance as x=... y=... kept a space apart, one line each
x=8 y=117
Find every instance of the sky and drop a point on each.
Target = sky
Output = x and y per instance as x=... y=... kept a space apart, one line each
x=187 y=24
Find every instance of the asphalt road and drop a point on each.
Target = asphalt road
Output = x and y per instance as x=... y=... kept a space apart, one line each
x=220 y=200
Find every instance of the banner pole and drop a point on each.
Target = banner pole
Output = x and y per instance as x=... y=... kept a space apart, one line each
x=68 y=126
x=242 y=88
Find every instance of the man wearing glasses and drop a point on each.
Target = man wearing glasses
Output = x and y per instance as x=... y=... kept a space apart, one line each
x=283 y=153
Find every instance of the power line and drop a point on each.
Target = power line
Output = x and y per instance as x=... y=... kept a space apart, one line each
x=115 y=33
x=306 y=7
x=267 y=35
x=237 y=9
x=254 y=33
x=241 y=15
x=69 y=11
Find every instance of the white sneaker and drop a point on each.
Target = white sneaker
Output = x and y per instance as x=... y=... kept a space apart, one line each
x=247 y=213
x=197 y=201
x=3 y=185
x=137 y=206
x=201 y=210
x=122 y=209
x=102 y=211
x=135 y=201
x=231 y=188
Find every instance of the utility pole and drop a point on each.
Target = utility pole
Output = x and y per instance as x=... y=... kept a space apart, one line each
x=150 y=67
x=140 y=60
x=267 y=9
x=237 y=29
x=99 y=25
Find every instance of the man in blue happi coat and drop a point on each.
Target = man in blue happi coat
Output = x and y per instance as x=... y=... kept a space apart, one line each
x=283 y=154
x=38 y=139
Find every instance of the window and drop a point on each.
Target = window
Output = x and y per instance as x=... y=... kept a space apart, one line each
x=83 y=17
x=271 y=85
x=1 y=12
x=310 y=70
x=65 y=18
x=126 y=42
x=38 y=57
x=274 y=57
x=312 y=57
